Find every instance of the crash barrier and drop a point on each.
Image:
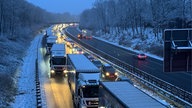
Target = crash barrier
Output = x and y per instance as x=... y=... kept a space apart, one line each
x=38 y=90
x=166 y=89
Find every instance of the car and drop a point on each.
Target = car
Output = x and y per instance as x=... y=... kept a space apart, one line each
x=77 y=50
x=108 y=72
x=97 y=63
x=88 y=37
x=123 y=78
x=141 y=56
x=90 y=57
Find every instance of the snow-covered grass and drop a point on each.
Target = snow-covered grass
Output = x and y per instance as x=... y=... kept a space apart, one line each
x=26 y=95
x=11 y=55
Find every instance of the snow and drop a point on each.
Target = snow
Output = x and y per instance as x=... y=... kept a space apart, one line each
x=82 y=63
x=131 y=96
x=26 y=97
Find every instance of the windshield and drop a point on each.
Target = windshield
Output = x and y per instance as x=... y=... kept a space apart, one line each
x=90 y=91
x=58 y=61
x=97 y=63
x=110 y=69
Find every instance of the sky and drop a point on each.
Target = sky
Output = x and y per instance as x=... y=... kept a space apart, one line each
x=60 y=6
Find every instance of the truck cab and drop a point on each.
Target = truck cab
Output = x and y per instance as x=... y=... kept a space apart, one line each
x=58 y=60
x=83 y=79
x=108 y=72
x=88 y=90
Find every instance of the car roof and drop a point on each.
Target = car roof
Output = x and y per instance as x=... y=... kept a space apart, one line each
x=107 y=65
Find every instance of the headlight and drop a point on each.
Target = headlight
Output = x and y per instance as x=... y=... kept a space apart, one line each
x=107 y=74
x=52 y=71
x=116 y=73
x=65 y=71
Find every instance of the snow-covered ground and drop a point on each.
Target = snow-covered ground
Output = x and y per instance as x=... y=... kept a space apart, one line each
x=26 y=96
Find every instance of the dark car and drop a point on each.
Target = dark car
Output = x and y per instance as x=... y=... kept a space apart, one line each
x=108 y=72
x=97 y=63
x=124 y=78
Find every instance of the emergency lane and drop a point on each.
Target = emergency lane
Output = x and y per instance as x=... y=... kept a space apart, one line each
x=58 y=93
x=151 y=65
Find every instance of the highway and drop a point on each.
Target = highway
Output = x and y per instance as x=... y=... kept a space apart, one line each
x=57 y=92
x=152 y=66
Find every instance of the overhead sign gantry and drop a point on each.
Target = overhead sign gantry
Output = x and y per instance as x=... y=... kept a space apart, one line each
x=178 y=50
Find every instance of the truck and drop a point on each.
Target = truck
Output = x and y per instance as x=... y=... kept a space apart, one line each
x=58 y=60
x=85 y=34
x=83 y=79
x=50 y=40
x=122 y=94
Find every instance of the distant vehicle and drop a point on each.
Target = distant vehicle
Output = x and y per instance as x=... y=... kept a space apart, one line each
x=58 y=60
x=141 y=56
x=69 y=42
x=77 y=50
x=50 y=40
x=97 y=63
x=80 y=36
x=87 y=34
x=86 y=54
x=108 y=72
x=121 y=94
x=83 y=81
x=90 y=57
x=124 y=78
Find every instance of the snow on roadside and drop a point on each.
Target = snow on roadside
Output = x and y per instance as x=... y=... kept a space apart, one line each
x=136 y=51
x=26 y=97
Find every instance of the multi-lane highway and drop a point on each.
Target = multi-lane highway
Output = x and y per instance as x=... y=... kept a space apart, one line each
x=57 y=91
x=152 y=66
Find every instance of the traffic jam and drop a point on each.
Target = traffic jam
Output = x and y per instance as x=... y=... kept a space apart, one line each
x=93 y=83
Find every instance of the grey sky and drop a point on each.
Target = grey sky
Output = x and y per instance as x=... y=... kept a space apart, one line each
x=61 y=6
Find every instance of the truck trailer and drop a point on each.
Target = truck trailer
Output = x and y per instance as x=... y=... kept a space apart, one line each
x=83 y=79
x=122 y=94
x=58 y=60
x=50 y=40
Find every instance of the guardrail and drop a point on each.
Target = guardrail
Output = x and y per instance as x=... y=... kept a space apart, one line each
x=172 y=92
x=37 y=81
x=38 y=91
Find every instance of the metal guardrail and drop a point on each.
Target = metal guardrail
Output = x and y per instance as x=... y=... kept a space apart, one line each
x=38 y=91
x=172 y=92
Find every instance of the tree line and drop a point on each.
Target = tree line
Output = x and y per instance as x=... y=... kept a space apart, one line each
x=138 y=15
x=17 y=16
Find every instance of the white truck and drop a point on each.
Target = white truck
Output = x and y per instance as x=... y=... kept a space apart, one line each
x=58 y=60
x=83 y=79
x=122 y=94
x=50 y=40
